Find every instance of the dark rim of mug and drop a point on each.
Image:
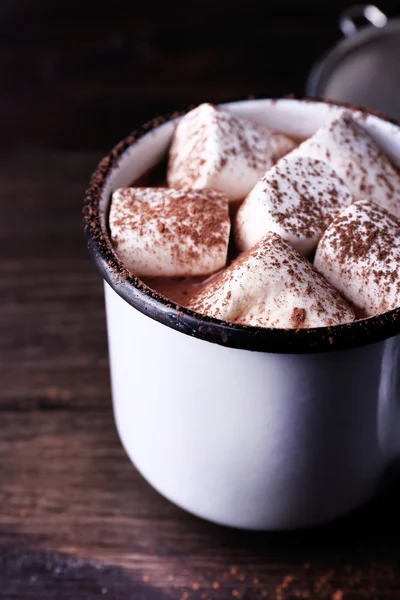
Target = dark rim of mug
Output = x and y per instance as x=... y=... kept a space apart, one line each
x=163 y=310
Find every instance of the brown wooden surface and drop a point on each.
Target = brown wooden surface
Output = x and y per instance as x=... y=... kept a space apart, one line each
x=76 y=520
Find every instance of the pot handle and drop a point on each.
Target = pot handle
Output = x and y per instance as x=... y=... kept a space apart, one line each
x=360 y=12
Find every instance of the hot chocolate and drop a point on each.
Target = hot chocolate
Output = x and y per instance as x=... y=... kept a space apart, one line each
x=288 y=199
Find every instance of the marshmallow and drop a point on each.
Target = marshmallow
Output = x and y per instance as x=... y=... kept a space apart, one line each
x=213 y=148
x=359 y=254
x=161 y=232
x=359 y=161
x=272 y=285
x=297 y=199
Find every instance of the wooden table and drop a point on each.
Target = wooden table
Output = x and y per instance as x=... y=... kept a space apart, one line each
x=76 y=520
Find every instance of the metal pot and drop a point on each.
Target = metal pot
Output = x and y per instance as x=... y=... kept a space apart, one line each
x=364 y=67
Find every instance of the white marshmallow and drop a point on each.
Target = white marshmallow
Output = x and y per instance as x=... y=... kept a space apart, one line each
x=161 y=232
x=272 y=285
x=297 y=199
x=213 y=148
x=359 y=254
x=359 y=161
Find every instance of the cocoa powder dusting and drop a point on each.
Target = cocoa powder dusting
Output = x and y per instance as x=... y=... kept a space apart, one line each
x=97 y=237
x=190 y=163
x=187 y=223
x=298 y=317
x=302 y=195
x=361 y=252
x=261 y=285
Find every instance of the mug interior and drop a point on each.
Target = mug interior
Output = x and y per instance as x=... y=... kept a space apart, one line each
x=143 y=150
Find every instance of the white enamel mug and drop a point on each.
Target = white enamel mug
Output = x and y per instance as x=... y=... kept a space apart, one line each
x=248 y=427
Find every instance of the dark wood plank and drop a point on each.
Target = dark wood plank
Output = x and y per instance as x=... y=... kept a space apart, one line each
x=76 y=507
x=53 y=339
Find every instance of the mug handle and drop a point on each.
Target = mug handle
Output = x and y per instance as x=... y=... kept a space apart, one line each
x=367 y=12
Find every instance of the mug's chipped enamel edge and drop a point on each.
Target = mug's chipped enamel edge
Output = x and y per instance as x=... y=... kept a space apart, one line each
x=163 y=310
